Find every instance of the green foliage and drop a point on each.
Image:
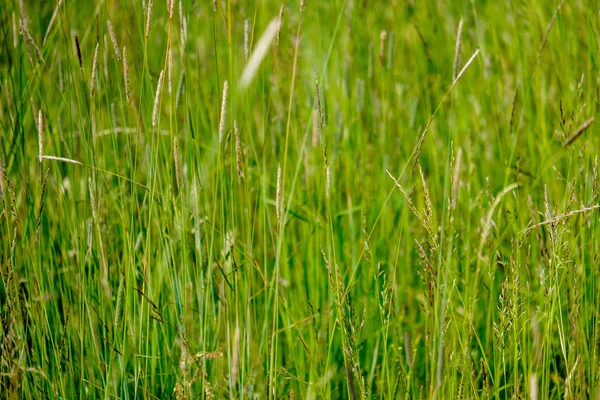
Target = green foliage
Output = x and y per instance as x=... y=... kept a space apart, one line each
x=389 y=209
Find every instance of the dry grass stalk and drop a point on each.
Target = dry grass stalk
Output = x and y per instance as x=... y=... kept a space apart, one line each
x=279 y=195
x=40 y=128
x=579 y=132
x=157 y=99
x=170 y=70
x=457 y=48
x=259 y=53
x=62 y=159
x=462 y=71
x=94 y=68
x=126 y=75
x=113 y=39
x=52 y=20
x=148 y=19
x=238 y=152
x=223 y=111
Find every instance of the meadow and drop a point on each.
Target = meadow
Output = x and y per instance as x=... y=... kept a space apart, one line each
x=310 y=200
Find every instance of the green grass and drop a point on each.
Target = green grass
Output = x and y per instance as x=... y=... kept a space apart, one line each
x=432 y=237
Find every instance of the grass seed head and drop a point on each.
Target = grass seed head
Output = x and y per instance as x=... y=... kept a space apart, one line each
x=148 y=19
x=222 y=120
x=157 y=99
x=94 y=68
x=126 y=75
x=113 y=39
x=40 y=127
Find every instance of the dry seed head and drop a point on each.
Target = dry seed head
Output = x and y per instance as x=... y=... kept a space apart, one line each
x=40 y=127
x=223 y=111
x=281 y=10
x=382 y=38
x=148 y=19
x=462 y=71
x=94 y=68
x=105 y=57
x=30 y=41
x=171 y=7
x=319 y=109
x=246 y=39
x=259 y=53
x=533 y=387
x=279 y=196
x=215 y=5
x=182 y=28
x=157 y=99
x=457 y=48
x=113 y=39
x=61 y=159
x=126 y=75
x=23 y=13
x=428 y=204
